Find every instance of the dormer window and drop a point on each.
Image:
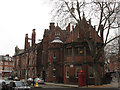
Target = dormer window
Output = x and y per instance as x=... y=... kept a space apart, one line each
x=57 y=33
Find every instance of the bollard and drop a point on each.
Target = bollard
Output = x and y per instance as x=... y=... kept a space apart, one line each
x=36 y=85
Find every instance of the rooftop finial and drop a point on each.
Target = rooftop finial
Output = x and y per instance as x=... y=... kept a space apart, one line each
x=83 y=15
x=90 y=21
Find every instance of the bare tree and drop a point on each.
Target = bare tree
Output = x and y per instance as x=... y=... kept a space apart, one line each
x=103 y=14
x=111 y=52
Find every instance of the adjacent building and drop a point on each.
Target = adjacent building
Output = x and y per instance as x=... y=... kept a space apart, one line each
x=27 y=61
x=6 y=66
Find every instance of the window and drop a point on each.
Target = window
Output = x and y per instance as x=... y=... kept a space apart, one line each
x=6 y=63
x=78 y=35
x=0 y=57
x=54 y=44
x=88 y=51
x=81 y=51
x=10 y=59
x=1 y=62
x=66 y=51
x=69 y=51
x=10 y=68
x=57 y=33
x=91 y=72
x=78 y=68
x=28 y=60
x=48 y=55
x=67 y=72
x=54 y=74
x=102 y=70
x=0 y=67
x=54 y=55
x=76 y=51
x=6 y=68
x=0 y=74
x=10 y=63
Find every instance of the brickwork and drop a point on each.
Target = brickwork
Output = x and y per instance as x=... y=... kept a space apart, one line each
x=59 y=56
x=26 y=61
x=6 y=66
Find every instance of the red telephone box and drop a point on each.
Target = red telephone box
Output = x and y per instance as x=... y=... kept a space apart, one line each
x=81 y=79
x=2 y=74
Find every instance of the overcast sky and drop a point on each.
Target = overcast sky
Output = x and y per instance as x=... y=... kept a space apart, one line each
x=18 y=17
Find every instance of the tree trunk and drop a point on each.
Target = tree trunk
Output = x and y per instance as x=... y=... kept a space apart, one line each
x=97 y=74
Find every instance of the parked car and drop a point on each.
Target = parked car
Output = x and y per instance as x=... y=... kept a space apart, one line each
x=108 y=77
x=1 y=83
x=18 y=85
x=39 y=80
x=30 y=79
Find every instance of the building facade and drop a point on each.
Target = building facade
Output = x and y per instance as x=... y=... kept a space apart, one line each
x=59 y=56
x=67 y=53
x=27 y=61
x=6 y=66
x=53 y=53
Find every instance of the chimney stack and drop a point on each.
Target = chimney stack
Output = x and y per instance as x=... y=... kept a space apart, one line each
x=26 y=42
x=7 y=55
x=52 y=26
x=68 y=27
x=33 y=37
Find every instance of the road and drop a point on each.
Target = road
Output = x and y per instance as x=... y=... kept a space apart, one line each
x=52 y=87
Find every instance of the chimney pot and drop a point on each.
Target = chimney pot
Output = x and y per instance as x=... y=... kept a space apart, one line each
x=26 y=41
x=52 y=26
x=33 y=37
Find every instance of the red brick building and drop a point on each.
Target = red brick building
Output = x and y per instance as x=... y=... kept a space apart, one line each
x=27 y=61
x=6 y=66
x=65 y=53
x=53 y=53
x=59 y=56
x=77 y=55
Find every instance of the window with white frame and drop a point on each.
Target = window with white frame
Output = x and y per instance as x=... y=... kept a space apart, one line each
x=67 y=72
x=6 y=68
x=6 y=63
x=78 y=69
x=1 y=62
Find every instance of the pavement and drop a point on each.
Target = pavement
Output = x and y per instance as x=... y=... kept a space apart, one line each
x=76 y=86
